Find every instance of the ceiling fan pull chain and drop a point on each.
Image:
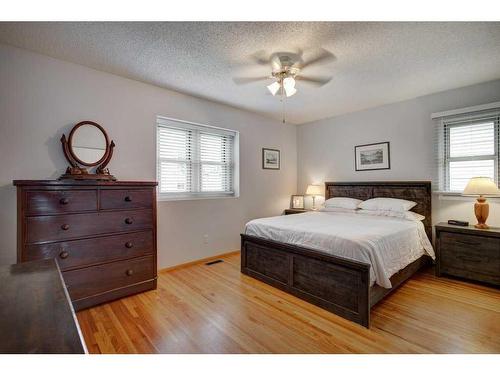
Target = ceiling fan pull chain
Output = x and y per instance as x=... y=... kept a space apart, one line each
x=283 y=109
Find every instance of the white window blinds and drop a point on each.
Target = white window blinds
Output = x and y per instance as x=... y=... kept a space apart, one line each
x=175 y=159
x=195 y=160
x=469 y=149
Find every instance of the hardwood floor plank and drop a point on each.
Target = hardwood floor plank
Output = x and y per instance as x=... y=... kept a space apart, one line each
x=284 y=306
x=261 y=324
x=205 y=324
x=216 y=309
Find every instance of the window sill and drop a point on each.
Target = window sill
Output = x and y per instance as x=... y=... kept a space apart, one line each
x=449 y=193
x=456 y=196
x=163 y=198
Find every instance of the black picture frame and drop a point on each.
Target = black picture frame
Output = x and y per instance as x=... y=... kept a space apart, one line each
x=358 y=149
x=266 y=164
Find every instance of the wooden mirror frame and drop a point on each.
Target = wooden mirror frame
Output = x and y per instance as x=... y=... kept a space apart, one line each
x=77 y=170
x=70 y=143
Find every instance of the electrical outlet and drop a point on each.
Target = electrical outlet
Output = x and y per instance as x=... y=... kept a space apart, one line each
x=205 y=239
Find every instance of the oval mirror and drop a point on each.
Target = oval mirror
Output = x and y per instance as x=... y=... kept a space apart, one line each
x=88 y=143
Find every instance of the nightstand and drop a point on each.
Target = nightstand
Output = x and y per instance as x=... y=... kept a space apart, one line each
x=291 y=211
x=468 y=252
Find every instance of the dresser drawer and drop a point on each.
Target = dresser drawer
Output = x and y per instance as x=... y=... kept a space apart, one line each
x=60 y=201
x=465 y=255
x=126 y=199
x=63 y=227
x=469 y=242
x=94 y=280
x=79 y=253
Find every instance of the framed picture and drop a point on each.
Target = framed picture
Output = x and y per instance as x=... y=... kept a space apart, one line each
x=372 y=156
x=297 y=201
x=270 y=158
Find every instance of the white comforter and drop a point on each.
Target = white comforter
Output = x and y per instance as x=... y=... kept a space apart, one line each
x=388 y=244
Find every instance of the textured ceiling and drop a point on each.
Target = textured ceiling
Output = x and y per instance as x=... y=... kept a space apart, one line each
x=376 y=63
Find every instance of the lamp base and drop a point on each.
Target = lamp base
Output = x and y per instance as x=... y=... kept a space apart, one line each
x=314 y=203
x=481 y=226
x=482 y=210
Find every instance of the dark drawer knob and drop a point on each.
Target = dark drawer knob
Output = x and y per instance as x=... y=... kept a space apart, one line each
x=129 y=245
x=64 y=200
x=129 y=272
x=65 y=226
x=128 y=220
x=63 y=254
x=128 y=199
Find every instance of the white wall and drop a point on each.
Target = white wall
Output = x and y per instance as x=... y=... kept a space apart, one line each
x=326 y=147
x=41 y=98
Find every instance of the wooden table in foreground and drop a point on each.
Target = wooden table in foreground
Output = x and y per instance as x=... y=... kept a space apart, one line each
x=36 y=315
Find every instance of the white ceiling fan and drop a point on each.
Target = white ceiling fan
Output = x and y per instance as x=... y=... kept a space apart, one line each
x=286 y=69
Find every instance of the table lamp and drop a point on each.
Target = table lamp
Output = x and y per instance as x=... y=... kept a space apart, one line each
x=481 y=186
x=314 y=190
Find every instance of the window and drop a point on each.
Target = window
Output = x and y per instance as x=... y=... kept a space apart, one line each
x=470 y=148
x=196 y=161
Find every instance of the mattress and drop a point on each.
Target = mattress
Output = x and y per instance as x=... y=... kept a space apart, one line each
x=388 y=244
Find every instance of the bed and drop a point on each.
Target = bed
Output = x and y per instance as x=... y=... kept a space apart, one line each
x=304 y=256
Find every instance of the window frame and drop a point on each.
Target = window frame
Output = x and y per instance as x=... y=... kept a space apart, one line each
x=176 y=196
x=449 y=123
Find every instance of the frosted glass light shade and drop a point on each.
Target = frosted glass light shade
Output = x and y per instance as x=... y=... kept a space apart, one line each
x=289 y=82
x=314 y=190
x=481 y=186
x=274 y=87
x=290 y=91
x=289 y=86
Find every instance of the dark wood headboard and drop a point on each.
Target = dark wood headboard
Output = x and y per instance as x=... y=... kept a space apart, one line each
x=416 y=191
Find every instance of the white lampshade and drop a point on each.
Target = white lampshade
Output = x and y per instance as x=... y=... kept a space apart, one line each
x=274 y=87
x=481 y=186
x=314 y=190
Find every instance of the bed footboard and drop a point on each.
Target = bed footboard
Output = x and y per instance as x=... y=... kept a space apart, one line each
x=335 y=284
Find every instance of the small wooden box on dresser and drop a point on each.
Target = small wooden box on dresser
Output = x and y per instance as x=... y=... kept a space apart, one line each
x=469 y=253
x=102 y=233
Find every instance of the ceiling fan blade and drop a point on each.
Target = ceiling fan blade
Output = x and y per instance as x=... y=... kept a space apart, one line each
x=261 y=58
x=323 y=57
x=317 y=81
x=245 y=80
x=275 y=63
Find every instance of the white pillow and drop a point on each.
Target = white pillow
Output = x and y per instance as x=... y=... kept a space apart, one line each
x=387 y=204
x=349 y=203
x=408 y=215
x=337 y=209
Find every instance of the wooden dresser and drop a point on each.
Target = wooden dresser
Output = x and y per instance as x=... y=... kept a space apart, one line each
x=102 y=233
x=468 y=252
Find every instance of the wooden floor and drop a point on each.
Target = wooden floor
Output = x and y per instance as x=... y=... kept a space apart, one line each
x=215 y=309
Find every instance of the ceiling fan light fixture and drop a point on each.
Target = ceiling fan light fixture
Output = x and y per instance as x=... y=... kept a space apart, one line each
x=290 y=91
x=274 y=88
x=289 y=82
x=289 y=86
